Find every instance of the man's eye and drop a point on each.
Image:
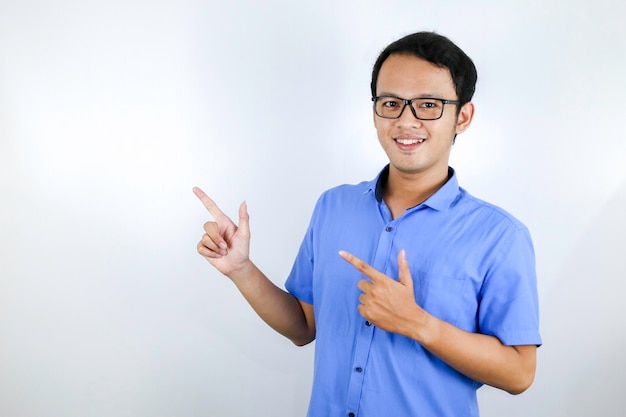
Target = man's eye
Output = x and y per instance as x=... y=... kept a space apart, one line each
x=391 y=103
x=428 y=104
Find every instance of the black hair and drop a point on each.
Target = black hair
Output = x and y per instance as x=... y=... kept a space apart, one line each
x=438 y=50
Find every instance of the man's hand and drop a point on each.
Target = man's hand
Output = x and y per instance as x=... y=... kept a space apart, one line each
x=385 y=302
x=225 y=245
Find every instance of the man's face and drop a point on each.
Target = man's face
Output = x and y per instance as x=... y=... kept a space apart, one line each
x=418 y=146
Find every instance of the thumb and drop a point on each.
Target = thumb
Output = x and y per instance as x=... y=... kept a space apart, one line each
x=244 y=220
x=404 y=273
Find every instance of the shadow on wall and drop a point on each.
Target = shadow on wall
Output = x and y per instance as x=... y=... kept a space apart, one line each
x=582 y=363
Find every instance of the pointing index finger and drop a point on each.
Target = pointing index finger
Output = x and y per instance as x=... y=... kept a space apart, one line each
x=362 y=266
x=208 y=203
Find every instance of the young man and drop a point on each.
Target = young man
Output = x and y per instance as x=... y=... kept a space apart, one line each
x=416 y=292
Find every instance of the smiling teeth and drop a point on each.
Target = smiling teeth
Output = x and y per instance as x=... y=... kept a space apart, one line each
x=409 y=141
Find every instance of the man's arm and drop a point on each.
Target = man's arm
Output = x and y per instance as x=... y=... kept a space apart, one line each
x=227 y=246
x=282 y=311
x=391 y=306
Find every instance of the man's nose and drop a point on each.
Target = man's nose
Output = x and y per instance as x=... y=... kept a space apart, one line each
x=408 y=117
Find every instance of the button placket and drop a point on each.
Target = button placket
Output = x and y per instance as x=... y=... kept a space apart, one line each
x=366 y=333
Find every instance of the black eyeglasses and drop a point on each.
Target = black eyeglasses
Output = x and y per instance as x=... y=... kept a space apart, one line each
x=390 y=107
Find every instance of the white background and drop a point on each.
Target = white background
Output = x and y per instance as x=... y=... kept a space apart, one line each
x=110 y=112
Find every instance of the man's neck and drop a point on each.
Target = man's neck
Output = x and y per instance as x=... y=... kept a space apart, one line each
x=403 y=191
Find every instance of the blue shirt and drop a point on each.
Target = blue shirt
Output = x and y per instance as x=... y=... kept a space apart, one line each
x=472 y=265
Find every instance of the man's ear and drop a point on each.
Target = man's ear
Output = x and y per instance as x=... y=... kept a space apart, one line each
x=464 y=119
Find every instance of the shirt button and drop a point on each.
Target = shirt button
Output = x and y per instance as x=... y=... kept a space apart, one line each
x=350 y=414
x=367 y=323
x=388 y=228
x=358 y=369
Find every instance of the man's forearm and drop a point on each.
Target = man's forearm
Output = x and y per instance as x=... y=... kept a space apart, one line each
x=279 y=309
x=481 y=357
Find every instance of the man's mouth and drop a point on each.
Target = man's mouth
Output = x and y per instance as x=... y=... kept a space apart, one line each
x=409 y=141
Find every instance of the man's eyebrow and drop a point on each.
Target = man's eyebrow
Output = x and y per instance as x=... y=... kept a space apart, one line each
x=422 y=95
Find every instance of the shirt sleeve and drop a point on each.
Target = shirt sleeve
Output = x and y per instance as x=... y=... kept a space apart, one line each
x=509 y=307
x=300 y=280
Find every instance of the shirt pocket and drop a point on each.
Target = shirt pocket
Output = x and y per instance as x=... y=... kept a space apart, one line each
x=440 y=295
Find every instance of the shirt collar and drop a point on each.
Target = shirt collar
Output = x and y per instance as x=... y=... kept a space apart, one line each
x=440 y=200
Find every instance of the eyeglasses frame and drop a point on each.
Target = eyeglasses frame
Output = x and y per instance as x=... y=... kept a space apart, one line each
x=409 y=103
